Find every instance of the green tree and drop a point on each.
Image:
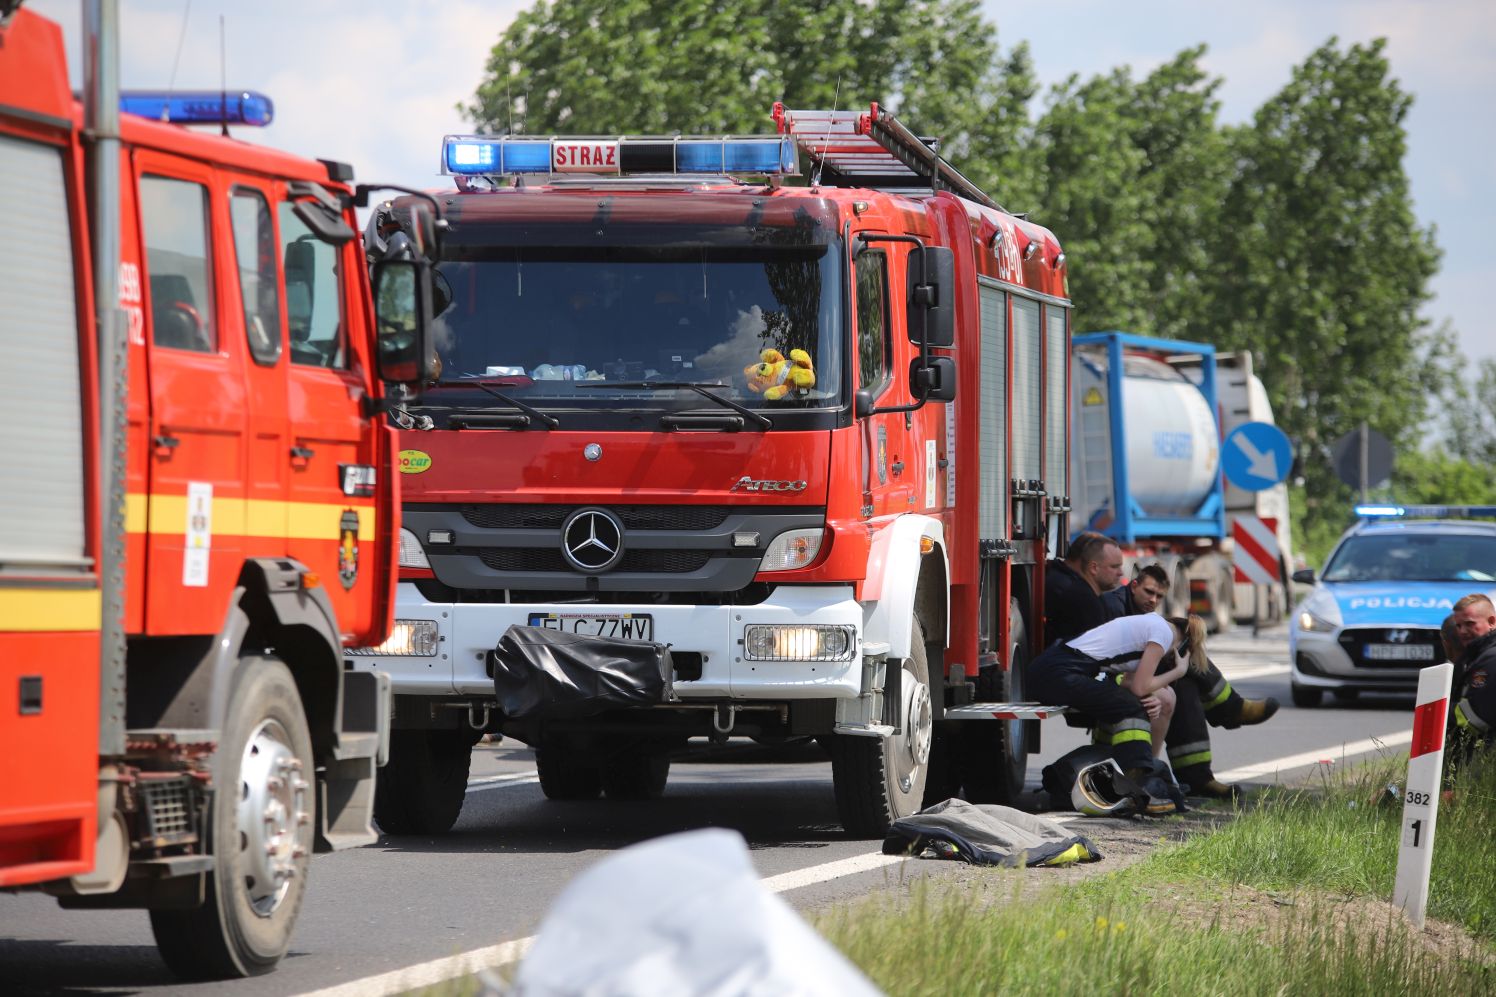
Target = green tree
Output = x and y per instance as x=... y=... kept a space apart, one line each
x=1133 y=176
x=1471 y=416
x=1437 y=477
x=1321 y=268
x=693 y=66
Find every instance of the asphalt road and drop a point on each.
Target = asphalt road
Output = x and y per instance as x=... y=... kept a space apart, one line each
x=408 y=901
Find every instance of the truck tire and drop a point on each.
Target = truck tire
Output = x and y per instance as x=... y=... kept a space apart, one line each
x=879 y=779
x=563 y=775
x=994 y=754
x=259 y=829
x=639 y=776
x=422 y=787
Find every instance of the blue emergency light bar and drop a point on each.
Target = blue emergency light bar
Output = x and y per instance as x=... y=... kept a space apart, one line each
x=1426 y=511
x=508 y=155
x=200 y=107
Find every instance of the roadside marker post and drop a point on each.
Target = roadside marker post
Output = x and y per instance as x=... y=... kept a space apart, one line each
x=1421 y=792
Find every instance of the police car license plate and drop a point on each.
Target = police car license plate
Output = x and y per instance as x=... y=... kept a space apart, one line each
x=633 y=626
x=1400 y=652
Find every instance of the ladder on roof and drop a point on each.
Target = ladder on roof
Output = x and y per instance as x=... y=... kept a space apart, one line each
x=873 y=149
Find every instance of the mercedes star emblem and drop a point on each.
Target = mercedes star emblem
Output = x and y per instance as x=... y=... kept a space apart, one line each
x=592 y=540
x=593 y=451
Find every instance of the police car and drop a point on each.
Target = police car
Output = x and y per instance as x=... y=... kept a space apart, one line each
x=1373 y=618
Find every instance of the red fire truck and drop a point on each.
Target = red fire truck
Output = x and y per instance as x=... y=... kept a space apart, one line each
x=811 y=437
x=197 y=510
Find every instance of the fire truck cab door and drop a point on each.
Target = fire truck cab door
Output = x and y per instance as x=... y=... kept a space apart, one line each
x=331 y=528
x=889 y=465
x=195 y=509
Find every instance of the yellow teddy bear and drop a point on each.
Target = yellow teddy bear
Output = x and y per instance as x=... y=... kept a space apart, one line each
x=774 y=376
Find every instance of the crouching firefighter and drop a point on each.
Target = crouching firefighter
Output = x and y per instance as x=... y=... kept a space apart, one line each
x=1203 y=697
x=1150 y=652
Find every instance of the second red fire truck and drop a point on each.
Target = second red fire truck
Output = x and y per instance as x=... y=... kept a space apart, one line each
x=714 y=455
x=198 y=506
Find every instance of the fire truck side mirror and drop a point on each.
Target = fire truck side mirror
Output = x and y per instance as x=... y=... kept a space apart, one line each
x=402 y=313
x=932 y=295
x=933 y=379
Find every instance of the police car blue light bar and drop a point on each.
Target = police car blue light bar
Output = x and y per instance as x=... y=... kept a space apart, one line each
x=200 y=107
x=509 y=155
x=1426 y=511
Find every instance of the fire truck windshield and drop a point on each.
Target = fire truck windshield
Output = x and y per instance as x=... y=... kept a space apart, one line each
x=539 y=322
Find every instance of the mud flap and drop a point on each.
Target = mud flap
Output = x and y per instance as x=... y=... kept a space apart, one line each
x=346 y=788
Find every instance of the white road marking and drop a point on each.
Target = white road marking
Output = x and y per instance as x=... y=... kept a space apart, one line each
x=436 y=971
x=1345 y=752
x=502 y=781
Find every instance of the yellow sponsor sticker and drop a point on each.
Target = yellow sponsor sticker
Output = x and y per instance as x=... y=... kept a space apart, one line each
x=414 y=461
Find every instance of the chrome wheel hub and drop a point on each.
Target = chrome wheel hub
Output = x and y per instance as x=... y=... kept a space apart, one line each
x=913 y=748
x=274 y=817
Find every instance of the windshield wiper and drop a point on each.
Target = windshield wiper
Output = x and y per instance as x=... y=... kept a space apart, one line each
x=700 y=388
x=549 y=421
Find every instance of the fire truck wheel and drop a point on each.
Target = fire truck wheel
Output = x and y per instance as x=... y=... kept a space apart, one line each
x=421 y=788
x=878 y=780
x=563 y=774
x=639 y=776
x=260 y=833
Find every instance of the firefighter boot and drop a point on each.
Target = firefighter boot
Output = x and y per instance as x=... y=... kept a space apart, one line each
x=1255 y=711
x=1202 y=782
x=1157 y=803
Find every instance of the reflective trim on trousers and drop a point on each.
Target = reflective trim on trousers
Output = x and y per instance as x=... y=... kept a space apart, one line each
x=1194 y=753
x=1218 y=694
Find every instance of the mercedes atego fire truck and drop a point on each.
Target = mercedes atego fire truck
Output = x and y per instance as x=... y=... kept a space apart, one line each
x=198 y=506
x=808 y=441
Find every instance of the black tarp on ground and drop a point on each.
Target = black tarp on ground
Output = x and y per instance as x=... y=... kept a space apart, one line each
x=988 y=835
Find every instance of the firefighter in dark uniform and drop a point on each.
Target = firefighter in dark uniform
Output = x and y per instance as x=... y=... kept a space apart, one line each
x=1472 y=722
x=1073 y=587
x=1203 y=698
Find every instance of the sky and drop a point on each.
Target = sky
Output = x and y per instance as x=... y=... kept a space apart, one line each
x=377 y=83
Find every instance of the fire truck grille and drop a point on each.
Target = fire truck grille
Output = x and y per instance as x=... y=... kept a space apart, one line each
x=640 y=561
x=500 y=516
x=167 y=808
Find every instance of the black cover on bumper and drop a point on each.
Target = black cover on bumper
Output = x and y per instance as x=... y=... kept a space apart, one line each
x=551 y=674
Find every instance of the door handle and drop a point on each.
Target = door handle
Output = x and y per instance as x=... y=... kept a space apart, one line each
x=897 y=467
x=164 y=445
x=301 y=454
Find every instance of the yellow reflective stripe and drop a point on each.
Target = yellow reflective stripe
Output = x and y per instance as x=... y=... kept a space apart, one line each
x=1123 y=736
x=49 y=610
x=1075 y=853
x=167 y=515
x=1465 y=716
x=1184 y=761
x=1218 y=700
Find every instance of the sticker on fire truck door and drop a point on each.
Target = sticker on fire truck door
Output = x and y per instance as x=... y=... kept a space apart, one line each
x=348 y=548
x=199 y=535
x=930 y=468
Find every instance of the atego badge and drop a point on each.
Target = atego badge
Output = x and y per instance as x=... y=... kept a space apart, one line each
x=348 y=548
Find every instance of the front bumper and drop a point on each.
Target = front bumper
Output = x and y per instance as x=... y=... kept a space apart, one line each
x=468 y=632
x=1336 y=660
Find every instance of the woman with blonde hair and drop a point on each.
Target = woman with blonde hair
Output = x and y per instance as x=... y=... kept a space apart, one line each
x=1132 y=712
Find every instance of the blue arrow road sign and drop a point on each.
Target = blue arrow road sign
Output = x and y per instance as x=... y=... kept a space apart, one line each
x=1256 y=455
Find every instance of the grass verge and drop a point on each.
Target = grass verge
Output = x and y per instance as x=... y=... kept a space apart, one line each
x=1290 y=897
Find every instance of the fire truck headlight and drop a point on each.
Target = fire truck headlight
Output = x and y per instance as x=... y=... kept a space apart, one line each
x=792 y=549
x=767 y=642
x=411 y=554
x=408 y=638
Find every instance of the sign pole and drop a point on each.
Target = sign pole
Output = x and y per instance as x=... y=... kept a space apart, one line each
x=1365 y=459
x=1421 y=793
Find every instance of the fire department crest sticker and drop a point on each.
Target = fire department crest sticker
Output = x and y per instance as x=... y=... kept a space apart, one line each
x=348 y=548
x=1478 y=679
